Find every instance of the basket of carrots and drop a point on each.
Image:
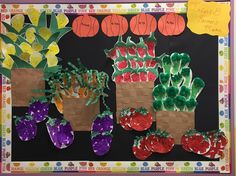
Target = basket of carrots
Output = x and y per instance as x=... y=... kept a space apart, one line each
x=76 y=94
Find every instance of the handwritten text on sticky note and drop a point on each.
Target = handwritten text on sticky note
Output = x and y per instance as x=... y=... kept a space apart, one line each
x=208 y=17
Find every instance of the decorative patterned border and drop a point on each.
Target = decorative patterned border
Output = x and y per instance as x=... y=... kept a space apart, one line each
x=7 y=166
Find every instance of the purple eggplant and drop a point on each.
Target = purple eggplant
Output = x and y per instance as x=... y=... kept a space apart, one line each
x=39 y=110
x=26 y=127
x=101 y=143
x=103 y=122
x=60 y=132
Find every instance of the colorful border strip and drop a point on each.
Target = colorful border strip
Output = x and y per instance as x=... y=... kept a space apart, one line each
x=81 y=166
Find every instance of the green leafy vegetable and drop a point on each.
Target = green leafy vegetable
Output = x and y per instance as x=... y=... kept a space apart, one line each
x=185 y=91
x=180 y=102
x=172 y=91
x=176 y=80
x=165 y=79
x=185 y=59
x=159 y=92
x=157 y=105
x=176 y=62
x=187 y=74
x=191 y=104
x=169 y=104
x=166 y=64
x=197 y=85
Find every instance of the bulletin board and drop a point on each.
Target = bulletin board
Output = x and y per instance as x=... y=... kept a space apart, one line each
x=210 y=61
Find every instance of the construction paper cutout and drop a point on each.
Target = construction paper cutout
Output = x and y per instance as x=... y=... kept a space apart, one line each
x=139 y=148
x=62 y=20
x=29 y=34
x=218 y=143
x=101 y=143
x=210 y=144
x=196 y=142
x=78 y=114
x=7 y=50
x=101 y=130
x=12 y=36
x=171 y=24
x=35 y=59
x=103 y=123
x=38 y=110
x=176 y=123
x=17 y=22
x=85 y=26
x=134 y=94
x=159 y=141
x=24 y=81
x=140 y=119
x=26 y=127
x=143 y=24
x=125 y=116
x=114 y=25
x=33 y=15
x=60 y=132
x=208 y=17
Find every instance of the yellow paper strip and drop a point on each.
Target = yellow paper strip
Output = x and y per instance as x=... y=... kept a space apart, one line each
x=208 y=17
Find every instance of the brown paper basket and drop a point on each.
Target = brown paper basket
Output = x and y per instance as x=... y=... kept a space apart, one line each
x=23 y=82
x=135 y=94
x=176 y=123
x=78 y=114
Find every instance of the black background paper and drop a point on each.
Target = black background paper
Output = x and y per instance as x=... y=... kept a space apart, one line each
x=203 y=50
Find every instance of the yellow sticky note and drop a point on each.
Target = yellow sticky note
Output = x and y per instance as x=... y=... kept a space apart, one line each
x=208 y=17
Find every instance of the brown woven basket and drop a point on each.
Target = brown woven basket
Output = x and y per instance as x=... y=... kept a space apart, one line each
x=176 y=123
x=23 y=82
x=78 y=114
x=135 y=94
